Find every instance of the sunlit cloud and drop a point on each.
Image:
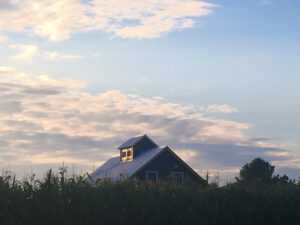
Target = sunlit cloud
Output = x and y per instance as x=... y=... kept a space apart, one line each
x=126 y=18
x=5 y=69
x=27 y=52
x=44 y=121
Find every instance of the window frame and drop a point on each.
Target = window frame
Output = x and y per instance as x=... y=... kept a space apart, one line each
x=152 y=171
x=176 y=173
x=126 y=154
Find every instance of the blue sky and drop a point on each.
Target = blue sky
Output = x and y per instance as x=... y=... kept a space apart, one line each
x=217 y=62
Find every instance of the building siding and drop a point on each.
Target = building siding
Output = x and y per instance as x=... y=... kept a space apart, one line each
x=165 y=164
x=143 y=145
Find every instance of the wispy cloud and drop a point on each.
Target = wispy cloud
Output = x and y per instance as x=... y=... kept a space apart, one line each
x=56 y=56
x=221 y=109
x=27 y=52
x=44 y=121
x=3 y=38
x=126 y=18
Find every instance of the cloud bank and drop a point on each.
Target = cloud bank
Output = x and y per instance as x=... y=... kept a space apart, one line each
x=57 y=20
x=44 y=122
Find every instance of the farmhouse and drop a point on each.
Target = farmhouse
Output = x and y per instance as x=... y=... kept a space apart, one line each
x=143 y=159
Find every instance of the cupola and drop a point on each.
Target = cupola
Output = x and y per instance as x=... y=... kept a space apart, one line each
x=134 y=146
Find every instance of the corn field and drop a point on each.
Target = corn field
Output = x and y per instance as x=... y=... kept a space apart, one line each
x=61 y=200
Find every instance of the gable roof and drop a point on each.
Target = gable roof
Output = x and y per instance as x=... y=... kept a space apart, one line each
x=113 y=167
x=166 y=148
x=133 y=141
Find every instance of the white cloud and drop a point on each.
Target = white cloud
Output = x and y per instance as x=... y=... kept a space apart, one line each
x=293 y=162
x=3 y=38
x=51 y=55
x=221 y=109
x=56 y=55
x=125 y=18
x=27 y=52
x=47 y=121
x=5 y=69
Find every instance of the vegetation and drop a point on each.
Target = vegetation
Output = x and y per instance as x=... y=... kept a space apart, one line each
x=257 y=171
x=260 y=172
x=257 y=197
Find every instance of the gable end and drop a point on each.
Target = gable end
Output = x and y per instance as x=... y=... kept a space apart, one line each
x=166 y=163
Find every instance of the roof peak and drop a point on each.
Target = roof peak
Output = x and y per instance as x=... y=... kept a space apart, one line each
x=134 y=140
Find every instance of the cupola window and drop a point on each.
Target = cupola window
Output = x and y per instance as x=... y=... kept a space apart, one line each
x=126 y=154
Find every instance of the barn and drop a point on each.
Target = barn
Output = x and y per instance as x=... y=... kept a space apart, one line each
x=141 y=158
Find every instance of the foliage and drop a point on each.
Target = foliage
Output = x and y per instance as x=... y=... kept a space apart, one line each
x=257 y=170
x=70 y=200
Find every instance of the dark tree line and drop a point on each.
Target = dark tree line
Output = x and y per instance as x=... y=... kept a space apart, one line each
x=258 y=197
x=260 y=172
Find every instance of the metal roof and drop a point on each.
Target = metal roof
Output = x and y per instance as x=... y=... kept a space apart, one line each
x=113 y=167
x=131 y=142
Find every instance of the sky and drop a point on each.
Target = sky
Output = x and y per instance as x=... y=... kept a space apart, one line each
x=217 y=81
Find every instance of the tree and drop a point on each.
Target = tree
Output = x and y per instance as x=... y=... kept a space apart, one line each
x=257 y=171
x=282 y=179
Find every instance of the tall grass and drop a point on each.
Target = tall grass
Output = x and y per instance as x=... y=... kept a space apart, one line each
x=58 y=199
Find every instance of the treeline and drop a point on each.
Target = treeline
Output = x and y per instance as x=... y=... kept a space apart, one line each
x=258 y=197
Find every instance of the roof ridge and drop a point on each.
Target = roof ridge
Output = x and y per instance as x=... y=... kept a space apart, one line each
x=135 y=140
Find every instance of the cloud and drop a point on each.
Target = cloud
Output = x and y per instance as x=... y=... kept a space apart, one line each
x=45 y=121
x=221 y=109
x=5 y=69
x=8 y=4
x=56 y=56
x=123 y=18
x=3 y=38
x=27 y=52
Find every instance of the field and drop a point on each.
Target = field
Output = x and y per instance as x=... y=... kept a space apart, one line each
x=61 y=200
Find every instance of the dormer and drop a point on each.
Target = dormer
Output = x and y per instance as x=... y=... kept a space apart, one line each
x=134 y=146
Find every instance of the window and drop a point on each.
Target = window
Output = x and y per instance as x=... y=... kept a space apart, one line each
x=151 y=176
x=178 y=176
x=126 y=154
